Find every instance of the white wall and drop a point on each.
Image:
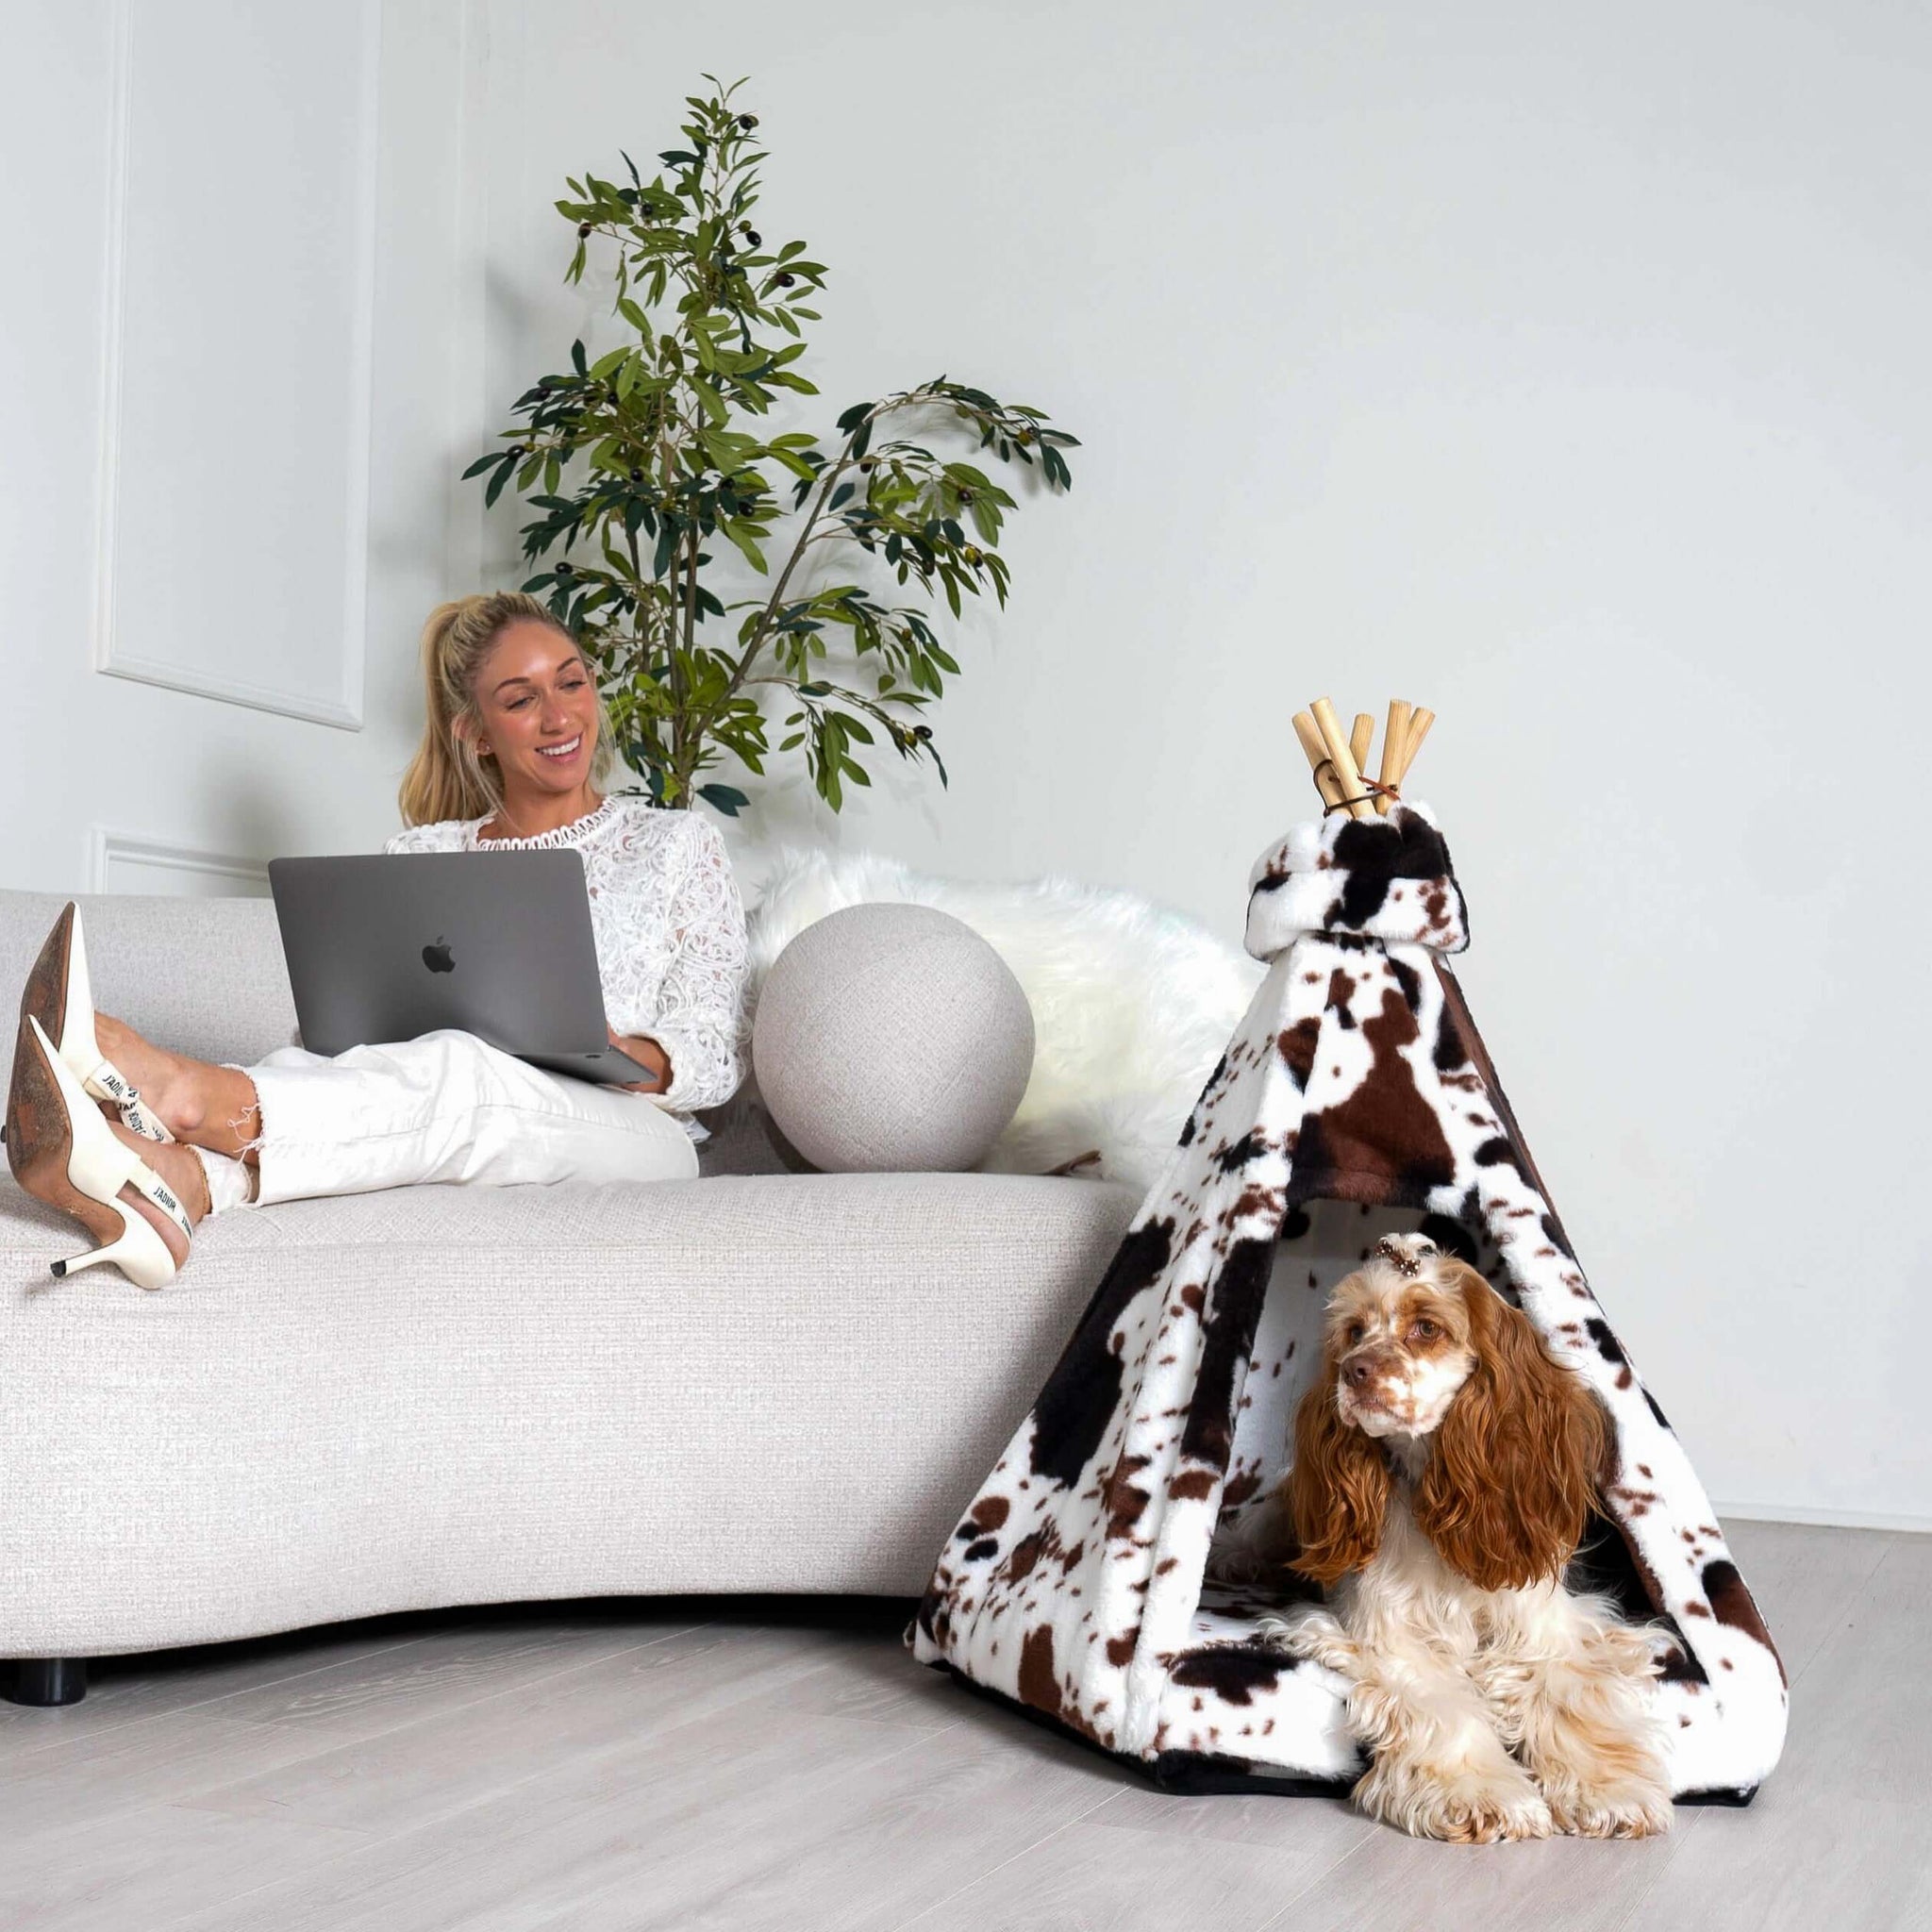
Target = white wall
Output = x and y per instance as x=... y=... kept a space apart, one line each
x=1561 y=368
x=230 y=236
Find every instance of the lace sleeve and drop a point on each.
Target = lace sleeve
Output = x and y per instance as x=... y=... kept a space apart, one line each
x=700 y=1022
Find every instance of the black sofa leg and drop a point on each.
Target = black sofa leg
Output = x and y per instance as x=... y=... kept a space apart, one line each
x=45 y=1680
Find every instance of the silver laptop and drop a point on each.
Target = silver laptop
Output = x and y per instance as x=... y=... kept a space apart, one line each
x=386 y=946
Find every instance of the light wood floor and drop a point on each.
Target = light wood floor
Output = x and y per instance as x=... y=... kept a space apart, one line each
x=740 y=1764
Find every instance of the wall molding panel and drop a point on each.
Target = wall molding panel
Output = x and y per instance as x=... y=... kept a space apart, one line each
x=126 y=862
x=216 y=572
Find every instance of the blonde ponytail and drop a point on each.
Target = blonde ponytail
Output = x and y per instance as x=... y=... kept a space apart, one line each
x=448 y=779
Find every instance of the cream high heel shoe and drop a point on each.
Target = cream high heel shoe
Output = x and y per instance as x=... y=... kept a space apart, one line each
x=58 y=997
x=63 y=1152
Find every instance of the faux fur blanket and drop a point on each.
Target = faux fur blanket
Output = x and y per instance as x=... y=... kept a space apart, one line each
x=1131 y=1001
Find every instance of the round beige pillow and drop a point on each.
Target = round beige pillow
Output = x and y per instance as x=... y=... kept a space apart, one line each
x=892 y=1038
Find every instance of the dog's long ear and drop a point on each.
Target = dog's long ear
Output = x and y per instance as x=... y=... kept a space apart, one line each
x=1338 y=1490
x=1509 y=1486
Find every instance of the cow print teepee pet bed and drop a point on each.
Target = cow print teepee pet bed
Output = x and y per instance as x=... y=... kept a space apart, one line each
x=1355 y=1101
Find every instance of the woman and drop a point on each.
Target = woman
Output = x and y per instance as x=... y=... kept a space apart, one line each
x=140 y=1144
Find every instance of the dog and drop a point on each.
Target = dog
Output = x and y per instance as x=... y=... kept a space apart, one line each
x=1444 y=1470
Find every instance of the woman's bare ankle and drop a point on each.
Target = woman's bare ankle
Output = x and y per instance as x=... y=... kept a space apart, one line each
x=228 y=1112
x=211 y=1106
x=164 y=1080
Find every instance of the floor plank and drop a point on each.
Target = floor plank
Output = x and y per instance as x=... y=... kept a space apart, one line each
x=123 y=1690
x=1861 y=1709
x=879 y=1680
x=436 y=1674
x=1308 y=1830
x=613 y=1826
x=162 y=1761
x=416 y=1772
x=1089 y=1878
x=153 y=1865
x=1798 y=1860
x=1579 y=1883
x=354 y=1697
x=863 y=1853
x=1804 y=1580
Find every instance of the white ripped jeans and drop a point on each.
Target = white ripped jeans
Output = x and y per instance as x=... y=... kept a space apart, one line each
x=443 y=1108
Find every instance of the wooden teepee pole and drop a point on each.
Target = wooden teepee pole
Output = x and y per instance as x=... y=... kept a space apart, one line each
x=1326 y=783
x=1394 y=749
x=1418 y=730
x=1330 y=725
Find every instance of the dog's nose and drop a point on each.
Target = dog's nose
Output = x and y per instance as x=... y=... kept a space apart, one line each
x=1361 y=1372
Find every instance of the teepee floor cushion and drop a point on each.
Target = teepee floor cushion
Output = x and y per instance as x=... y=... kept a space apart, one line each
x=1354 y=1100
x=1182 y=1776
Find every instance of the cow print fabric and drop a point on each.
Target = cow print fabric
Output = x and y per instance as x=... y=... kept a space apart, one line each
x=1355 y=1099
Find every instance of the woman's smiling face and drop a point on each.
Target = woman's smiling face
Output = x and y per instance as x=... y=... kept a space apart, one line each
x=538 y=709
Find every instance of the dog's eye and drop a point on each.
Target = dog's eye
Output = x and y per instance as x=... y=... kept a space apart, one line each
x=1354 y=1333
x=1425 y=1330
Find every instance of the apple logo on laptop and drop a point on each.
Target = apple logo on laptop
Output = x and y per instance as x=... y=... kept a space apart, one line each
x=437 y=958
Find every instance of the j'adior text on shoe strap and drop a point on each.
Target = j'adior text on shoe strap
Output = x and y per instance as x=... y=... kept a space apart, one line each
x=669 y=927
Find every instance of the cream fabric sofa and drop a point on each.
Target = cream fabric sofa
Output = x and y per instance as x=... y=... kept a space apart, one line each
x=754 y=1382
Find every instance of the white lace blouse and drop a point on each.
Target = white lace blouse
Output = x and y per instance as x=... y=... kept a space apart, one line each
x=670 y=932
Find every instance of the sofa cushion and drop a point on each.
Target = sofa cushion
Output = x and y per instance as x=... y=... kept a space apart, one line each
x=448 y=1395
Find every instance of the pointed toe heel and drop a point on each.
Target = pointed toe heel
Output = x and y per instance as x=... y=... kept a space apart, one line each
x=59 y=997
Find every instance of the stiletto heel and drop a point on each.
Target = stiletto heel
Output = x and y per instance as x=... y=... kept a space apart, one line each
x=59 y=997
x=63 y=1153
x=134 y=1258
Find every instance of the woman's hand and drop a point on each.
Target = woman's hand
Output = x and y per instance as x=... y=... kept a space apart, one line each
x=649 y=1055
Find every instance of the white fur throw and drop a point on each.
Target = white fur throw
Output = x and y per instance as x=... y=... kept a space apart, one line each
x=1132 y=1003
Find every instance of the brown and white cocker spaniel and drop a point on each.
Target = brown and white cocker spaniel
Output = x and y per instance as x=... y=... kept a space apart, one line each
x=1445 y=1468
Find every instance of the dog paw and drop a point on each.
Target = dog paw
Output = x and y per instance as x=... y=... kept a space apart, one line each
x=1464 y=1807
x=1310 y=1633
x=1625 y=1810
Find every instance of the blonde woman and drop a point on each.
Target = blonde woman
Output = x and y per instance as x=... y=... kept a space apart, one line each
x=140 y=1144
